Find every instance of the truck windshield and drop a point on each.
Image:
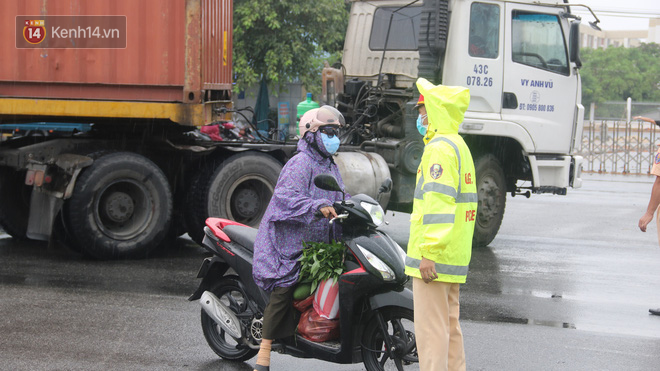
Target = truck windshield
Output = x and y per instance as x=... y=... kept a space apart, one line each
x=538 y=41
x=403 y=34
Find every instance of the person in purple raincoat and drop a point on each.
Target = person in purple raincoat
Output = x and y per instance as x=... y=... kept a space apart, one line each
x=290 y=220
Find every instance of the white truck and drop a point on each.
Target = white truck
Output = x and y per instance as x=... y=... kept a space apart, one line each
x=520 y=60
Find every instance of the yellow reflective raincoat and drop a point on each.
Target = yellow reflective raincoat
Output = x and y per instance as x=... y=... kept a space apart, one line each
x=445 y=203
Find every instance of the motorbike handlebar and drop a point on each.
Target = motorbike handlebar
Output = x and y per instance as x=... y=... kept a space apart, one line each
x=340 y=216
x=319 y=214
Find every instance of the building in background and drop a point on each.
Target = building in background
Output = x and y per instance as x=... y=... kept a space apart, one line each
x=594 y=39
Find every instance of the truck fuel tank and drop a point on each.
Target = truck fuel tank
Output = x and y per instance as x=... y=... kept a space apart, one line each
x=363 y=172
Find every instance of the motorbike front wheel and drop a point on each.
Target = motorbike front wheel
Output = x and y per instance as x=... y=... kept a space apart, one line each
x=231 y=295
x=401 y=330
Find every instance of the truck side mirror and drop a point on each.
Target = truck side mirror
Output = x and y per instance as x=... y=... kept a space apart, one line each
x=574 y=44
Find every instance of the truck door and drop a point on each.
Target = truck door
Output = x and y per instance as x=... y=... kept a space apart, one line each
x=475 y=56
x=540 y=89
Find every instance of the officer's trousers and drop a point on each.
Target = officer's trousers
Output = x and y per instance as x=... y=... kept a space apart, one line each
x=437 y=330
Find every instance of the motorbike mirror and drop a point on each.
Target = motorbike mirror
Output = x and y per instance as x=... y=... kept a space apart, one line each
x=328 y=183
x=386 y=186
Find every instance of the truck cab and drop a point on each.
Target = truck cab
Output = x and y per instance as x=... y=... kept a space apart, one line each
x=520 y=61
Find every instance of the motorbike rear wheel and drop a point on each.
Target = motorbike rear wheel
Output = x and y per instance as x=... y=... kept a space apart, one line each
x=400 y=327
x=230 y=294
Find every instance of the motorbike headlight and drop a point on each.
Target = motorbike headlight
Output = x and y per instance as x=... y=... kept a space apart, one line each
x=402 y=252
x=375 y=211
x=385 y=271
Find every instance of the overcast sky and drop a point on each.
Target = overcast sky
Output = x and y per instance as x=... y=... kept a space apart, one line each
x=633 y=14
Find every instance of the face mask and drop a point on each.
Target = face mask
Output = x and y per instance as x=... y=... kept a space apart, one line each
x=331 y=144
x=420 y=124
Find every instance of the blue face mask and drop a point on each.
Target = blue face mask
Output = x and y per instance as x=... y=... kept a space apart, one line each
x=420 y=124
x=331 y=144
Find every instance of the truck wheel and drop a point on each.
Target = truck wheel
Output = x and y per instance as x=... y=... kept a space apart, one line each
x=14 y=202
x=491 y=189
x=196 y=201
x=121 y=207
x=239 y=189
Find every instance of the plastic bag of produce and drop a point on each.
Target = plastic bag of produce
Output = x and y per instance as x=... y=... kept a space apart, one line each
x=316 y=328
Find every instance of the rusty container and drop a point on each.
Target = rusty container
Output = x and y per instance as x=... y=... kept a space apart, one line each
x=171 y=51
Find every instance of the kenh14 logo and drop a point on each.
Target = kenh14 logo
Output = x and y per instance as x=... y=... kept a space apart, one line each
x=34 y=31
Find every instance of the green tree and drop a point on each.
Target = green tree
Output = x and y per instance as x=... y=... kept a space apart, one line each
x=614 y=74
x=286 y=40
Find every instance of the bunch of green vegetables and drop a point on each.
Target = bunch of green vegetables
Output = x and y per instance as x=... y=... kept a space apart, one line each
x=319 y=261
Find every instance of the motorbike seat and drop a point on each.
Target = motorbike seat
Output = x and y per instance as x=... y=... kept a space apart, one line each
x=242 y=235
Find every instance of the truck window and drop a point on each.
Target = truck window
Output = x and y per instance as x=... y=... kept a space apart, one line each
x=538 y=41
x=404 y=31
x=484 y=30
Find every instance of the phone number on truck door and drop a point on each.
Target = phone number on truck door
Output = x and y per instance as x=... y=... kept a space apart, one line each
x=536 y=107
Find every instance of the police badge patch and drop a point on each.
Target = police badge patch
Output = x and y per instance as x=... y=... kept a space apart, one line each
x=657 y=158
x=436 y=171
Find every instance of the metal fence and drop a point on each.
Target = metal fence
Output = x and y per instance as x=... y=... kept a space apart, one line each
x=620 y=146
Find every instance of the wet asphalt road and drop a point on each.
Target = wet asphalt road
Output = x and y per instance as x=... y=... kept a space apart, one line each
x=566 y=285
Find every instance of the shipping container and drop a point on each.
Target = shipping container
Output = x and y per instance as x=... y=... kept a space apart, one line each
x=127 y=50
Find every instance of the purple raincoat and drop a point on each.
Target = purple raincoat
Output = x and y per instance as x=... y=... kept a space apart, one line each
x=289 y=219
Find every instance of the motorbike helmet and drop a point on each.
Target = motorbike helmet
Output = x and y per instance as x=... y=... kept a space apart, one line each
x=315 y=118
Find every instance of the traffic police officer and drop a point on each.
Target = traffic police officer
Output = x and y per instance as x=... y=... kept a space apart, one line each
x=442 y=225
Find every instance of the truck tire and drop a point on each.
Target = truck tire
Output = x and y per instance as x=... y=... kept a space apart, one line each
x=121 y=207
x=239 y=189
x=14 y=202
x=196 y=199
x=491 y=190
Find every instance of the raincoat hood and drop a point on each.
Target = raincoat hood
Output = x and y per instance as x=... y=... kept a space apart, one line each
x=445 y=106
